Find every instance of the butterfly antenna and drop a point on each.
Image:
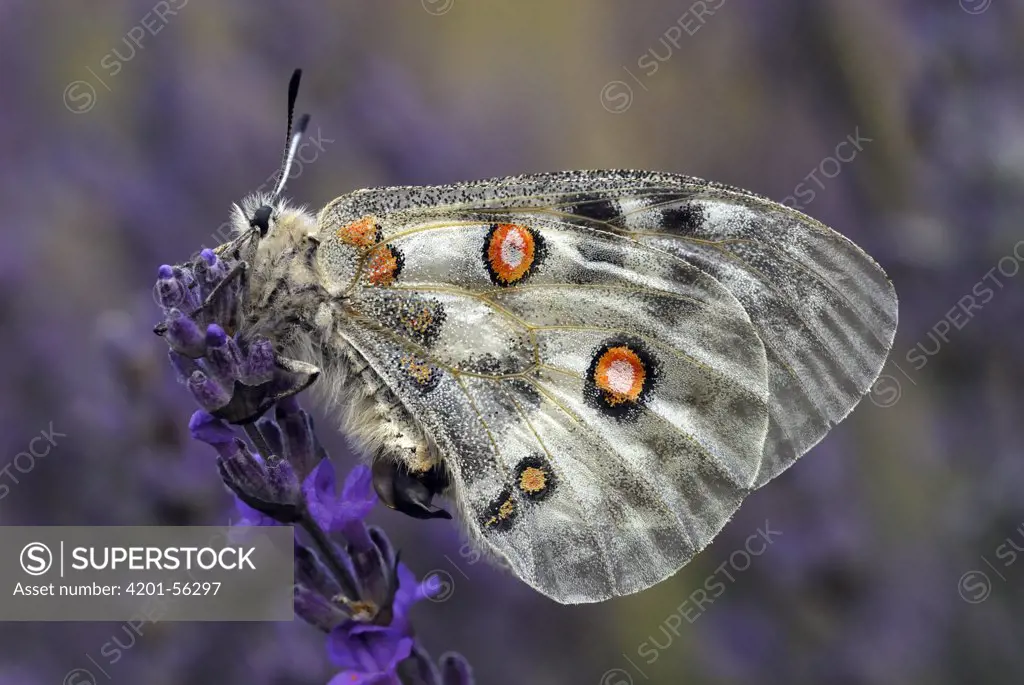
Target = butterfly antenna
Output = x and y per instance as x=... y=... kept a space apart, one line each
x=292 y=138
x=293 y=94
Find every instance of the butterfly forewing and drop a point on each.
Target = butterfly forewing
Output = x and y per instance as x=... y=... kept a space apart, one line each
x=825 y=311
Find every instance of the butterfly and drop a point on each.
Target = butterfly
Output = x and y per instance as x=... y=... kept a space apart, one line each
x=595 y=367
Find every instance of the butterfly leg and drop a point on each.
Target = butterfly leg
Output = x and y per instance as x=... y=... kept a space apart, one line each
x=408 y=492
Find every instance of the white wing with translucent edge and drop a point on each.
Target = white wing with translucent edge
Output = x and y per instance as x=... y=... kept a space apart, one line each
x=610 y=361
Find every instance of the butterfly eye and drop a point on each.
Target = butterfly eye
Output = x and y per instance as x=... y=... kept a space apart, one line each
x=261 y=219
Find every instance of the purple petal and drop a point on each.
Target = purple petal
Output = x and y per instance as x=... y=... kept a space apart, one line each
x=352 y=528
x=407 y=586
x=413 y=591
x=344 y=650
x=408 y=593
x=360 y=628
x=377 y=650
x=210 y=430
x=251 y=517
x=318 y=488
x=401 y=652
x=358 y=492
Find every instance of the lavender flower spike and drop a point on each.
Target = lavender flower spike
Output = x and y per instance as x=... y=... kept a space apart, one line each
x=348 y=580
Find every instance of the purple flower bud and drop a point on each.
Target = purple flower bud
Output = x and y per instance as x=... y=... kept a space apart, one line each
x=208 y=273
x=272 y=434
x=283 y=484
x=419 y=668
x=248 y=476
x=387 y=550
x=186 y=277
x=206 y=428
x=184 y=335
x=169 y=290
x=455 y=670
x=222 y=308
x=288 y=405
x=295 y=483
x=223 y=357
x=208 y=392
x=209 y=256
x=215 y=335
x=299 y=442
x=217 y=434
x=259 y=364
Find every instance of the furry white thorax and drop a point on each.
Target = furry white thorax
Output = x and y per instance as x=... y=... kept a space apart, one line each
x=288 y=300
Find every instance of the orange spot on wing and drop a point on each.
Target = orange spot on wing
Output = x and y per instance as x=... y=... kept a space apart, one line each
x=511 y=250
x=533 y=480
x=620 y=373
x=362 y=233
x=385 y=263
x=419 y=371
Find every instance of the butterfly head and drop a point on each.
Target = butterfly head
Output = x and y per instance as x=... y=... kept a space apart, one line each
x=267 y=226
x=260 y=220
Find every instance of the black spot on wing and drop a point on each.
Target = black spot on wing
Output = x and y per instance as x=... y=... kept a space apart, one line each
x=490 y=364
x=686 y=219
x=678 y=213
x=599 y=212
x=500 y=513
x=418 y=318
x=419 y=374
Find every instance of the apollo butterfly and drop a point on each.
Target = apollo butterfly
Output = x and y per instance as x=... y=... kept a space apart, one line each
x=595 y=367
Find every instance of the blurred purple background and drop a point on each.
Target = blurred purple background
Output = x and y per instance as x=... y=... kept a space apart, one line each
x=128 y=129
